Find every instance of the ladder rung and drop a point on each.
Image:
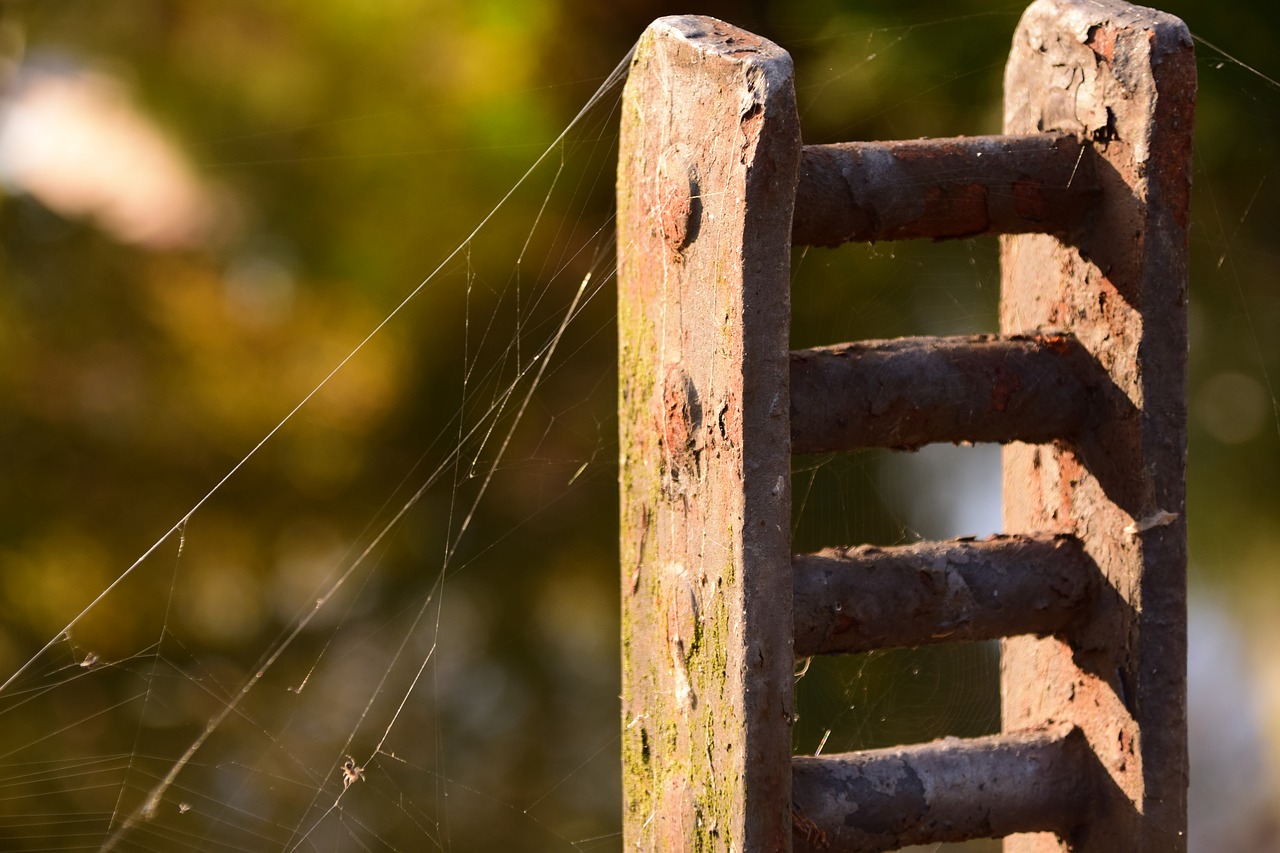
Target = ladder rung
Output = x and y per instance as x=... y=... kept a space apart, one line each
x=940 y=188
x=864 y=598
x=908 y=392
x=948 y=790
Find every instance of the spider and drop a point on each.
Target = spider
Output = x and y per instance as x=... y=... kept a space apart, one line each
x=351 y=772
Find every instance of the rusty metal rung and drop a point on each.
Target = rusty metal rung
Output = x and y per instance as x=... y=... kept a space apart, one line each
x=948 y=790
x=942 y=188
x=865 y=598
x=907 y=392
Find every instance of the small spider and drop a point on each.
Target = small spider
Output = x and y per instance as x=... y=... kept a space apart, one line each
x=351 y=772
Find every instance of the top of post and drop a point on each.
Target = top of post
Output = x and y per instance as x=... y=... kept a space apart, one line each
x=715 y=37
x=1095 y=26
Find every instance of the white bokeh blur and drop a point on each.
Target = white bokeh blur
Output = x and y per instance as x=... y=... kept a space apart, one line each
x=75 y=141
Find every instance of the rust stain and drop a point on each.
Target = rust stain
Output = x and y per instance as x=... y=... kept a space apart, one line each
x=1057 y=344
x=678 y=207
x=674 y=217
x=842 y=624
x=1102 y=41
x=1029 y=200
x=1169 y=161
x=911 y=152
x=682 y=415
x=1070 y=473
x=751 y=122
x=1005 y=387
x=950 y=210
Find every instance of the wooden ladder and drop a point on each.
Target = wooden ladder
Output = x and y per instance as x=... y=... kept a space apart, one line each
x=1084 y=386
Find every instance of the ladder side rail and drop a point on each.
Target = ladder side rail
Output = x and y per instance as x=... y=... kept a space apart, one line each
x=709 y=154
x=1123 y=77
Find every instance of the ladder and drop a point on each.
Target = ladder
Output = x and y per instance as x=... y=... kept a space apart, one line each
x=1084 y=386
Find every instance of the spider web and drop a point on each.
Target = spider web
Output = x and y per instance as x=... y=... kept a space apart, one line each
x=384 y=702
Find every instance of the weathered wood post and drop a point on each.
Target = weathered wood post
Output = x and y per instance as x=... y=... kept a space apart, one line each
x=707 y=174
x=1084 y=385
x=1124 y=78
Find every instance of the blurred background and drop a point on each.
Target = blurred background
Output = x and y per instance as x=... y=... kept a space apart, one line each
x=206 y=207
